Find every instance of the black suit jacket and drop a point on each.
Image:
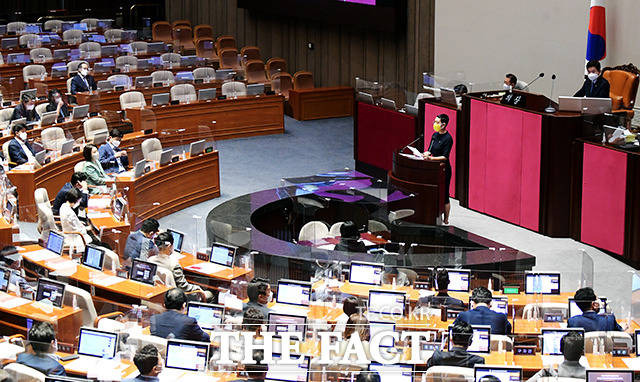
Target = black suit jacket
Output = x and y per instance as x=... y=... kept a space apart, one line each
x=21 y=112
x=456 y=357
x=600 y=88
x=64 y=111
x=180 y=325
x=78 y=85
x=17 y=156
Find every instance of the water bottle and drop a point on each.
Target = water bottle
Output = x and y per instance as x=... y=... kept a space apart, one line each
x=74 y=302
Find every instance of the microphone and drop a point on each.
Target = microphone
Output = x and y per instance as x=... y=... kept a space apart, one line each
x=534 y=80
x=550 y=108
x=414 y=141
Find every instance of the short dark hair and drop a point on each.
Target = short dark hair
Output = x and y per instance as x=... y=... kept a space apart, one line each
x=593 y=64
x=442 y=279
x=460 y=89
x=572 y=345
x=368 y=376
x=481 y=295
x=350 y=305
x=26 y=97
x=252 y=319
x=175 y=299
x=78 y=177
x=461 y=333
x=259 y=367
x=73 y=195
x=584 y=297
x=163 y=239
x=513 y=80
x=146 y=358
x=349 y=230
x=83 y=63
x=115 y=133
x=40 y=336
x=150 y=225
x=255 y=288
x=17 y=127
x=51 y=94
x=444 y=119
x=86 y=152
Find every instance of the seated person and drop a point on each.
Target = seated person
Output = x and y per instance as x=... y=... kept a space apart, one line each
x=112 y=158
x=164 y=258
x=392 y=273
x=350 y=238
x=350 y=306
x=57 y=104
x=368 y=376
x=511 y=82
x=174 y=321
x=140 y=243
x=256 y=372
x=589 y=320
x=442 y=298
x=461 y=336
x=79 y=182
x=92 y=167
x=71 y=223
x=594 y=85
x=252 y=321
x=20 y=151
x=259 y=294
x=572 y=348
x=83 y=81
x=42 y=355
x=480 y=314
x=149 y=364
x=11 y=259
x=357 y=325
x=26 y=109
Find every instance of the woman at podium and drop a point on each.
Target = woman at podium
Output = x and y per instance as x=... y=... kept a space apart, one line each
x=439 y=150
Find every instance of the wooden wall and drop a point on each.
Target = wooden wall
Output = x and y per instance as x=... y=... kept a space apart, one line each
x=341 y=52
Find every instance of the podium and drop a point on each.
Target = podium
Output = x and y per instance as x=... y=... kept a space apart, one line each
x=425 y=179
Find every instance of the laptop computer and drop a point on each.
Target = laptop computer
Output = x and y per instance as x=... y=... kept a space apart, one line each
x=105 y=85
x=609 y=375
x=143 y=81
x=156 y=47
x=118 y=207
x=282 y=322
x=5 y=278
x=480 y=342
x=255 y=89
x=196 y=148
x=411 y=110
x=67 y=147
x=187 y=355
x=41 y=157
x=109 y=50
x=366 y=273
x=365 y=98
x=97 y=343
x=388 y=103
x=387 y=302
x=208 y=316
x=298 y=372
x=48 y=118
x=459 y=280
x=50 y=290
x=225 y=74
x=165 y=157
x=55 y=242
x=160 y=99
x=138 y=170
x=93 y=257
x=542 y=283
x=178 y=239
x=500 y=373
x=79 y=112
x=30 y=92
x=143 y=271
x=61 y=54
x=449 y=96
x=206 y=94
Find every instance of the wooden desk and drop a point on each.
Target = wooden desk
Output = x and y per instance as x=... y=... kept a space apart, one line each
x=318 y=103
x=126 y=368
x=114 y=232
x=6 y=231
x=221 y=279
x=234 y=118
x=172 y=187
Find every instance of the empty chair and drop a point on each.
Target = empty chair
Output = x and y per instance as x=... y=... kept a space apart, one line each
x=590 y=343
x=124 y=62
x=131 y=100
x=303 y=80
x=90 y=49
x=72 y=36
x=282 y=83
x=46 y=221
x=92 y=23
x=53 y=138
x=141 y=340
x=40 y=54
x=161 y=31
x=234 y=89
x=5 y=117
x=95 y=126
x=22 y=373
x=41 y=109
x=120 y=80
x=276 y=65
x=113 y=35
x=151 y=149
x=334 y=231
x=538 y=310
x=179 y=23
x=163 y=76
x=376 y=226
x=72 y=67
x=202 y=30
x=448 y=373
x=183 y=93
x=205 y=48
x=33 y=71
x=139 y=47
x=224 y=42
x=400 y=214
x=205 y=73
x=30 y=40
x=53 y=25
x=249 y=53
x=183 y=37
x=501 y=342
x=229 y=58
x=172 y=59
x=313 y=230
x=254 y=72
x=623 y=91
x=16 y=27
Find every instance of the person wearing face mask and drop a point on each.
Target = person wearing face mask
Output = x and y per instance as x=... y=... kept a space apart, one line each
x=78 y=181
x=439 y=150
x=140 y=243
x=57 y=104
x=20 y=151
x=42 y=353
x=260 y=294
x=70 y=221
x=26 y=109
x=112 y=158
x=595 y=85
x=83 y=81
x=92 y=167
x=174 y=322
x=511 y=82
x=149 y=364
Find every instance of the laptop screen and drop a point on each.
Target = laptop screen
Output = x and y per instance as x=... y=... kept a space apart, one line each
x=55 y=242
x=143 y=271
x=493 y=373
x=50 y=290
x=222 y=254
x=366 y=273
x=97 y=343
x=289 y=373
x=187 y=355
x=500 y=305
x=208 y=315
x=542 y=283
x=393 y=373
x=93 y=257
x=610 y=375
x=294 y=292
x=551 y=340
x=574 y=310
x=481 y=341
x=386 y=302
x=459 y=280
x=5 y=276
x=377 y=327
x=280 y=323
x=178 y=238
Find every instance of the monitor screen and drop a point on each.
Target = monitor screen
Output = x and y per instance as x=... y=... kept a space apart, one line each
x=55 y=242
x=459 y=280
x=377 y=327
x=574 y=310
x=222 y=254
x=187 y=355
x=80 y=26
x=492 y=373
x=609 y=375
x=97 y=343
x=481 y=341
x=93 y=257
x=33 y=28
x=280 y=323
x=178 y=238
x=551 y=340
x=58 y=378
x=542 y=283
x=208 y=315
x=143 y=271
x=294 y=292
x=500 y=305
x=289 y=373
x=386 y=302
x=366 y=273
x=50 y=290
x=393 y=373
x=5 y=276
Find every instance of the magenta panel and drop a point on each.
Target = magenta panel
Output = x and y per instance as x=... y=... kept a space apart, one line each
x=477 y=154
x=430 y=113
x=531 y=154
x=604 y=188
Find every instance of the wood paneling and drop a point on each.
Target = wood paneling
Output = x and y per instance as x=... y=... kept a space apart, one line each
x=341 y=52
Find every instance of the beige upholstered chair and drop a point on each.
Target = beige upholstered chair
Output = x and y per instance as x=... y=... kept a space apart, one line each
x=448 y=374
x=501 y=342
x=140 y=340
x=84 y=301
x=204 y=73
x=33 y=71
x=163 y=76
x=31 y=40
x=139 y=47
x=16 y=26
x=171 y=58
x=46 y=221
x=538 y=310
x=69 y=84
x=53 y=25
x=184 y=93
x=313 y=230
x=234 y=88
x=92 y=23
x=151 y=149
x=132 y=100
x=120 y=80
x=53 y=138
x=41 y=109
x=72 y=66
x=72 y=36
x=5 y=117
x=335 y=229
x=90 y=49
x=95 y=126
x=113 y=35
x=5 y=149
x=22 y=373
x=376 y=226
x=40 y=54
x=123 y=61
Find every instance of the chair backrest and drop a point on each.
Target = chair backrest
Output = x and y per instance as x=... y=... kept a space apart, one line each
x=254 y=71
x=335 y=229
x=623 y=84
x=22 y=373
x=178 y=23
x=111 y=259
x=139 y=47
x=79 y=167
x=29 y=39
x=95 y=126
x=46 y=221
x=376 y=226
x=113 y=35
x=92 y=23
x=250 y=53
x=140 y=340
x=151 y=149
x=204 y=73
x=182 y=35
x=33 y=71
x=276 y=65
x=40 y=54
x=602 y=337
x=92 y=48
x=69 y=84
x=282 y=83
x=172 y=58
x=501 y=342
x=5 y=116
x=303 y=80
x=205 y=48
x=41 y=109
x=72 y=35
x=123 y=61
x=120 y=80
x=234 y=88
x=448 y=374
x=72 y=66
x=538 y=310
x=163 y=76
x=130 y=100
x=161 y=31
x=223 y=42
x=183 y=93
x=84 y=301
x=53 y=138
x=16 y=26
x=166 y=277
x=202 y=30
x=5 y=149
x=313 y=230
x=229 y=58
x=53 y=25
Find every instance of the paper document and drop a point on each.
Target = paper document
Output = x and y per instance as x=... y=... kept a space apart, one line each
x=632 y=363
x=415 y=151
x=208 y=268
x=13 y=302
x=40 y=255
x=98 y=215
x=105 y=280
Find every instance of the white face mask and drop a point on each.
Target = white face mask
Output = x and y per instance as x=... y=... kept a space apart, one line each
x=270 y=298
x=95 y=157
x=31 y=107
x=506 y=87
x=84 y=72
x=57 y=100
x=115 y=143
x=22 y=136
x=593 y=76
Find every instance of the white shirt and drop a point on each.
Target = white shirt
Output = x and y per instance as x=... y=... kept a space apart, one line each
x=341 y=323
x=71 y=223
